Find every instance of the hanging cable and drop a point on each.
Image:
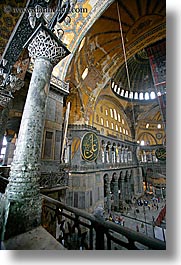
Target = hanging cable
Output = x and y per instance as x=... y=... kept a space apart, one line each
x=125 y=60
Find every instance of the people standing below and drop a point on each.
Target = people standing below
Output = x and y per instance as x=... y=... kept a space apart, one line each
x=137 y=228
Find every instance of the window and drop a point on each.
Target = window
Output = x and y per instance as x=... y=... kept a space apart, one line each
x=102 y=121
x=116 y=128
x=147 y=125
x=97 y=118
x=111 y=113
x=123 y=131
x=101 y=109
x=120 y=129
x=131 y=95
x=82 y=44
x=122 y=92
x=141 y=96
x=115 y=88
x=126 y=132
x=119 y=118
x=115 y=115
x=106 y=112
x=122 y=121
x=159 y=126
x=152 y=95
x=142 y=142
x=85 y=73
x=3 y=149
x=107 y=123
x=147 y=96
x=136 y=95
x=126 y=94
x=112 y=126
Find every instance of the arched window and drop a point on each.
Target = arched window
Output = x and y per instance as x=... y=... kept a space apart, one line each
x=141 y=96
x=111 y=113
x=147 y=96
x=152 y=95
x=136 y=95
x=115 y=115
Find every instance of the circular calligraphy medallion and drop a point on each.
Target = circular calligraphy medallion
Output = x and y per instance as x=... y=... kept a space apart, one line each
x=90 y=146
x=161 y=154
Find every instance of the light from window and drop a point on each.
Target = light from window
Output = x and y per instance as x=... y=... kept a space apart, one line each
x=159 y=93
x=112 y=126
x=131 y=95
x=126 y=132
x=123 y=131
x=126 y=94
x=120 y=129
x=115 y=88
x=112 y=84
x=119 y=118
x=142 y=142
x=136 y=95
x=82 y=44
x=147 y=96
x=159 y=126
x=107 y=123
x=116 y=127
x=122 y=92
x=118 y=91
x=106 y=111
x=111 y=113
x=122 y=121
x=4 y=141
x=115 y=115
x=147 y=125
x=141 y=96
x=102 y=121
x=152 y=95
x=85 y=73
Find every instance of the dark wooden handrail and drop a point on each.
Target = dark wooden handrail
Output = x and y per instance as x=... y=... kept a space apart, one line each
x=103 y=227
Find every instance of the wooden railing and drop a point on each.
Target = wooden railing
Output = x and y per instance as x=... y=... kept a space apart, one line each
x=79 y=230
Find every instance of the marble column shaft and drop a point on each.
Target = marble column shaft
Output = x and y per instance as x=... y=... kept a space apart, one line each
x=22 y=193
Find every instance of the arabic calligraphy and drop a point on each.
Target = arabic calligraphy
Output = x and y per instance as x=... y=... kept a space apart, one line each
x=161 y=154
x=90 y=146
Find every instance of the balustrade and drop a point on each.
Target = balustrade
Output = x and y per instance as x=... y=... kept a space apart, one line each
x=80 y=230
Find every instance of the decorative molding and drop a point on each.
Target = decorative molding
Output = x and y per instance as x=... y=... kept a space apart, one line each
x=45 y=44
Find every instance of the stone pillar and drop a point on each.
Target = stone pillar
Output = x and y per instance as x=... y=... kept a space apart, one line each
x=110 y=153
x=22 y=197
x=108 y=195
x=116 y=195
x=122 y=188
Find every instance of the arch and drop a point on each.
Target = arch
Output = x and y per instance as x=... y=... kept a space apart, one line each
x=97 y=10
x=146 y=136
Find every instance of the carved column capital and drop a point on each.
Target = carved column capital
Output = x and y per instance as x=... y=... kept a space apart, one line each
x=43 y=43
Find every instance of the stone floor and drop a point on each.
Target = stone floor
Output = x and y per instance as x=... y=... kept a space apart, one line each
x=143 y=221
x=36 y=239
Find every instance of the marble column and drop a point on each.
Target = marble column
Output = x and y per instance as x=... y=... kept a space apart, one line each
x=116 y=195
x=22 y=199
x=108 y=195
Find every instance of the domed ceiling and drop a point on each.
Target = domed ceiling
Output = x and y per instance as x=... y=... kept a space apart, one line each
x=100 y=58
